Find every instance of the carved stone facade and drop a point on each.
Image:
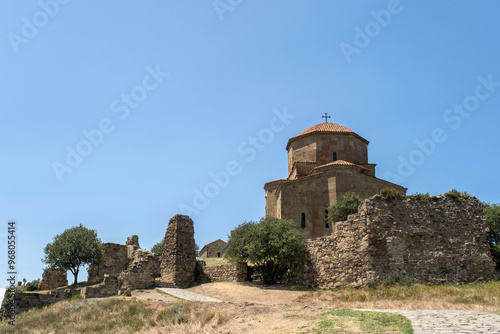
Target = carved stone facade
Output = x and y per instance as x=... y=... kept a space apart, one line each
x=179 y=253
x=52 y=279
x=216 y=248
x=324 y=162
x=437 y=240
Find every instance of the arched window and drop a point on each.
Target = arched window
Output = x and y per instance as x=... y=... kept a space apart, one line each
x=326 y=219
x=334 y=156
x=303 y=220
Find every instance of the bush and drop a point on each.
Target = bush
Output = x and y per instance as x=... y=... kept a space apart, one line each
x=421 y=197
x=346 y=205
x=453 y=193
x=158 y=248
x=389 y=194
x=395 y=278
x=33 y=285
x=272 y=245
x=492 y=216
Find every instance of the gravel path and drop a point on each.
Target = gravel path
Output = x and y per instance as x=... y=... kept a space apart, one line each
x=188 y=295
x=446 y=321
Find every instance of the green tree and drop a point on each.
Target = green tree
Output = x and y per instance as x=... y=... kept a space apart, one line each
x=158 y=248
x=346 y=205
x=492 y=215
x=75 y=247
x=271 y=245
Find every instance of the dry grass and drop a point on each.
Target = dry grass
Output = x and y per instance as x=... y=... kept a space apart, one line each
x=116 y=315
x=215 y=261
x=480 y=297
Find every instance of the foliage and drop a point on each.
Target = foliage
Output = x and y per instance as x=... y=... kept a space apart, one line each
x=395 y=278
x=453 y=193
x=33 y=285
x=158 y=247
x=421 y=197
x=271 y=245
x=389 y=194
x=75 y=247
x=346 y=204
x=492 y=215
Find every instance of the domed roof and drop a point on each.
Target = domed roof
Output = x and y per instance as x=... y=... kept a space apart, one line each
x=325 y=128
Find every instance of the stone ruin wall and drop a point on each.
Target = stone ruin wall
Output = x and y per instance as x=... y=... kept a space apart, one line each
x=439 y=240
x=227 y=272
x=178 y=263
x=53 y=279
x=136 y=268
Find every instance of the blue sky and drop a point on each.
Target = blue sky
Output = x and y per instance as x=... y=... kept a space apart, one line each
x=160 y=98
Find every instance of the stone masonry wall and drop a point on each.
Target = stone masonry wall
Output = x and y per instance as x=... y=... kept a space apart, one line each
x=227 y=272
x=179 y=253
x=438 y=240
x=116 y=262
x=52 y=279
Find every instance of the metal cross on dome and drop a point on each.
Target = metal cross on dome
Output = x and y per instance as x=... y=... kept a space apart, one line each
x=326 y=117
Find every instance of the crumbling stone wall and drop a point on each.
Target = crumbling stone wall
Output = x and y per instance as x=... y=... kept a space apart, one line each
x=116 y=262
x=141 y=272
x=28 y=300
x=136 y=268
x=179 y=253
x=52 y=279
x=109 y=287
x=227 y=272
x=435 y=240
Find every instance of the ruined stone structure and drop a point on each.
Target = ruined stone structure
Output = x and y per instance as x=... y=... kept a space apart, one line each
x=324 y=161
x=436 y=240
x=227 y=272
x=136 y=268
x=109 y=287
x=216 y=248
x=178 y=263
x=116 y=261
x=52 y=279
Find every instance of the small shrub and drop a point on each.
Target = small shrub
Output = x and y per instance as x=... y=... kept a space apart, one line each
x=395 y=278
x=346 y=205
x=76 y=297
x=375 y=196
x=453 y=193
x=33 y=285
x=421 y=197
x=389 y=194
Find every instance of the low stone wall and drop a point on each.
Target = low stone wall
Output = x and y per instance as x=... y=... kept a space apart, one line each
x=53 y=279
x=436 y=240
x=109 y=287
x=28 y=300
x=227 y=272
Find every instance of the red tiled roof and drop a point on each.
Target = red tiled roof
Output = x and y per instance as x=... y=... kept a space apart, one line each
x=326 y=127
x=339 y=163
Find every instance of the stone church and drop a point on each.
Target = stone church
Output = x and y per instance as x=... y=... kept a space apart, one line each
x=324 y=162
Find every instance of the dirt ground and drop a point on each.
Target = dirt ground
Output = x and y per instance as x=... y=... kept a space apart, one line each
x=249 y=308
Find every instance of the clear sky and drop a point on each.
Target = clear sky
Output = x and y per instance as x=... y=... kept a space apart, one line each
x=119 y=116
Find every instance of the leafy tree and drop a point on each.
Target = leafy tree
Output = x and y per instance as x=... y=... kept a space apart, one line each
x=346 y=205
x=271 y=245
x=492 y=215
x=158 y=248
x=33 y=285
x=73 y=248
